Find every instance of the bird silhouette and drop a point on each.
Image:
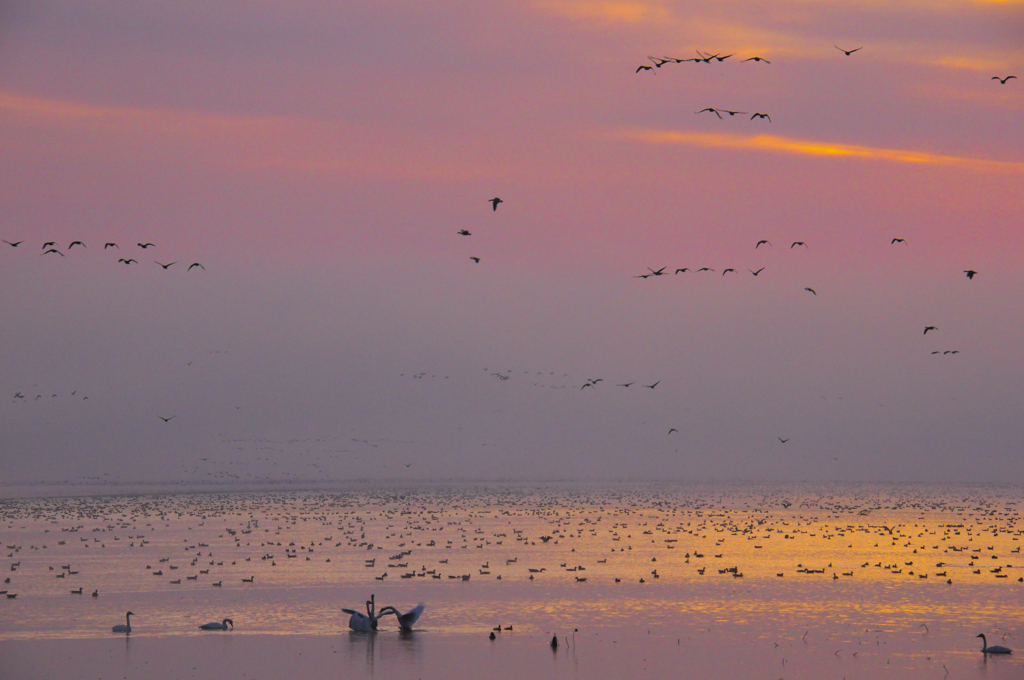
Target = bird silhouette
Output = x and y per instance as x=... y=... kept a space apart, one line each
x=165 y=266
x=757 y=272
x=970 y=273
x=53 y=250
x=111 y=245
x=682 y=270
x=726 y=271
x=128 y=261
x=705 y=269
x=671 y=430
x=712 y=110
x=762 y=242
x=847 y=52
x=1002 y=81
x=643 y=67
x=624 y=384
x=167 y=420
x=195 y=264
x=463 y=232
x=761 y=115
x=475 y=259
x=15 y=244
x=75 y=243
x=659 y=272
x=811 y=290
x=494 y=203
x=783 y=440
x=898 y=240
x=651 y=387
x=146 y=245
x=930 y=328
x=721 y=59
x=733 y=113
x=797 y=243
x=757 y=59
x=48 y=244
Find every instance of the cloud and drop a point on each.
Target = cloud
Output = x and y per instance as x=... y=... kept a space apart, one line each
x=611 y=12
x=775 y=144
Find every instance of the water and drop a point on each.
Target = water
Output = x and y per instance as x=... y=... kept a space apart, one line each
x=847 y=617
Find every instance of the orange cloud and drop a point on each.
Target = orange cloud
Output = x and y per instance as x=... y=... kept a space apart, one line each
x=611 y=12
x=771 y=143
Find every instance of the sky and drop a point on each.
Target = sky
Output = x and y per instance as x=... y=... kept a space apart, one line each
x=318 y=159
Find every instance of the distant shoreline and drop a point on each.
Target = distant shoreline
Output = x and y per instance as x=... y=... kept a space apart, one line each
x=67 y=489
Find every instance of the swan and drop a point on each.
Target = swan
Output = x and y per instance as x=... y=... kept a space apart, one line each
x=127 y=627
x=994 y=649
x=405 y=621
x=364 y=623
x=215 y=625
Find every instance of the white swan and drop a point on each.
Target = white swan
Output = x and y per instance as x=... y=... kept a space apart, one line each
x=364 y=623
x=127 y=627
x=407 y=620
x=218 y=625
x=994 y=649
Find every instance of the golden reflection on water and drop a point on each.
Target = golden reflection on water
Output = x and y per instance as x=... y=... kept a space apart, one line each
x=878 y=558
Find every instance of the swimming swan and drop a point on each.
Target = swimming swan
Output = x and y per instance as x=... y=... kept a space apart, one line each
x=364 y=623
x=994 y=649
x=127 y=627
x=221 y=625
x=407 y=620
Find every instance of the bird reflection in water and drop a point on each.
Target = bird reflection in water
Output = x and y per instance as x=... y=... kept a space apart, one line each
x=403 y=647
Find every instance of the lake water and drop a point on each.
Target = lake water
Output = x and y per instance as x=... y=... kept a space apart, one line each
x=655 y=580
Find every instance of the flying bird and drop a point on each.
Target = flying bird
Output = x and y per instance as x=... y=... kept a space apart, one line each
x=165 y=266
x=757 y=272
x=48 y=244
x=898 y=240
x=660 y=272
x=732 y=113
x=682 y=270
x=1002 y=81
x=705 y=269
x=475 y=259
x=930 y=328
x=145 y=245
x=195 y=264
x=13 y=245
x=53 y=250
x=619 y=385
x=128 y=261
x=651 y=387
x=970 y=273
x=75 y=243
x=762 y=242
x=797 y=243
x=463 y=232
x=726 y=271
x=712 y=110
x=672 y=430
x=721 y=59
x=167 y=420
x=643 y=67
x=811 y=290
x=494 y=203
x=111 y=245
x=848 y=52
x=761 y=115
x=757 y=59
x=783 y=440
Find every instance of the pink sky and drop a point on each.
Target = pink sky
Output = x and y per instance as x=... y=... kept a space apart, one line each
x=319 y=159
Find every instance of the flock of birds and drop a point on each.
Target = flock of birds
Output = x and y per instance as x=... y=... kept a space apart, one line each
x=617 y=536
x=51 y=248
